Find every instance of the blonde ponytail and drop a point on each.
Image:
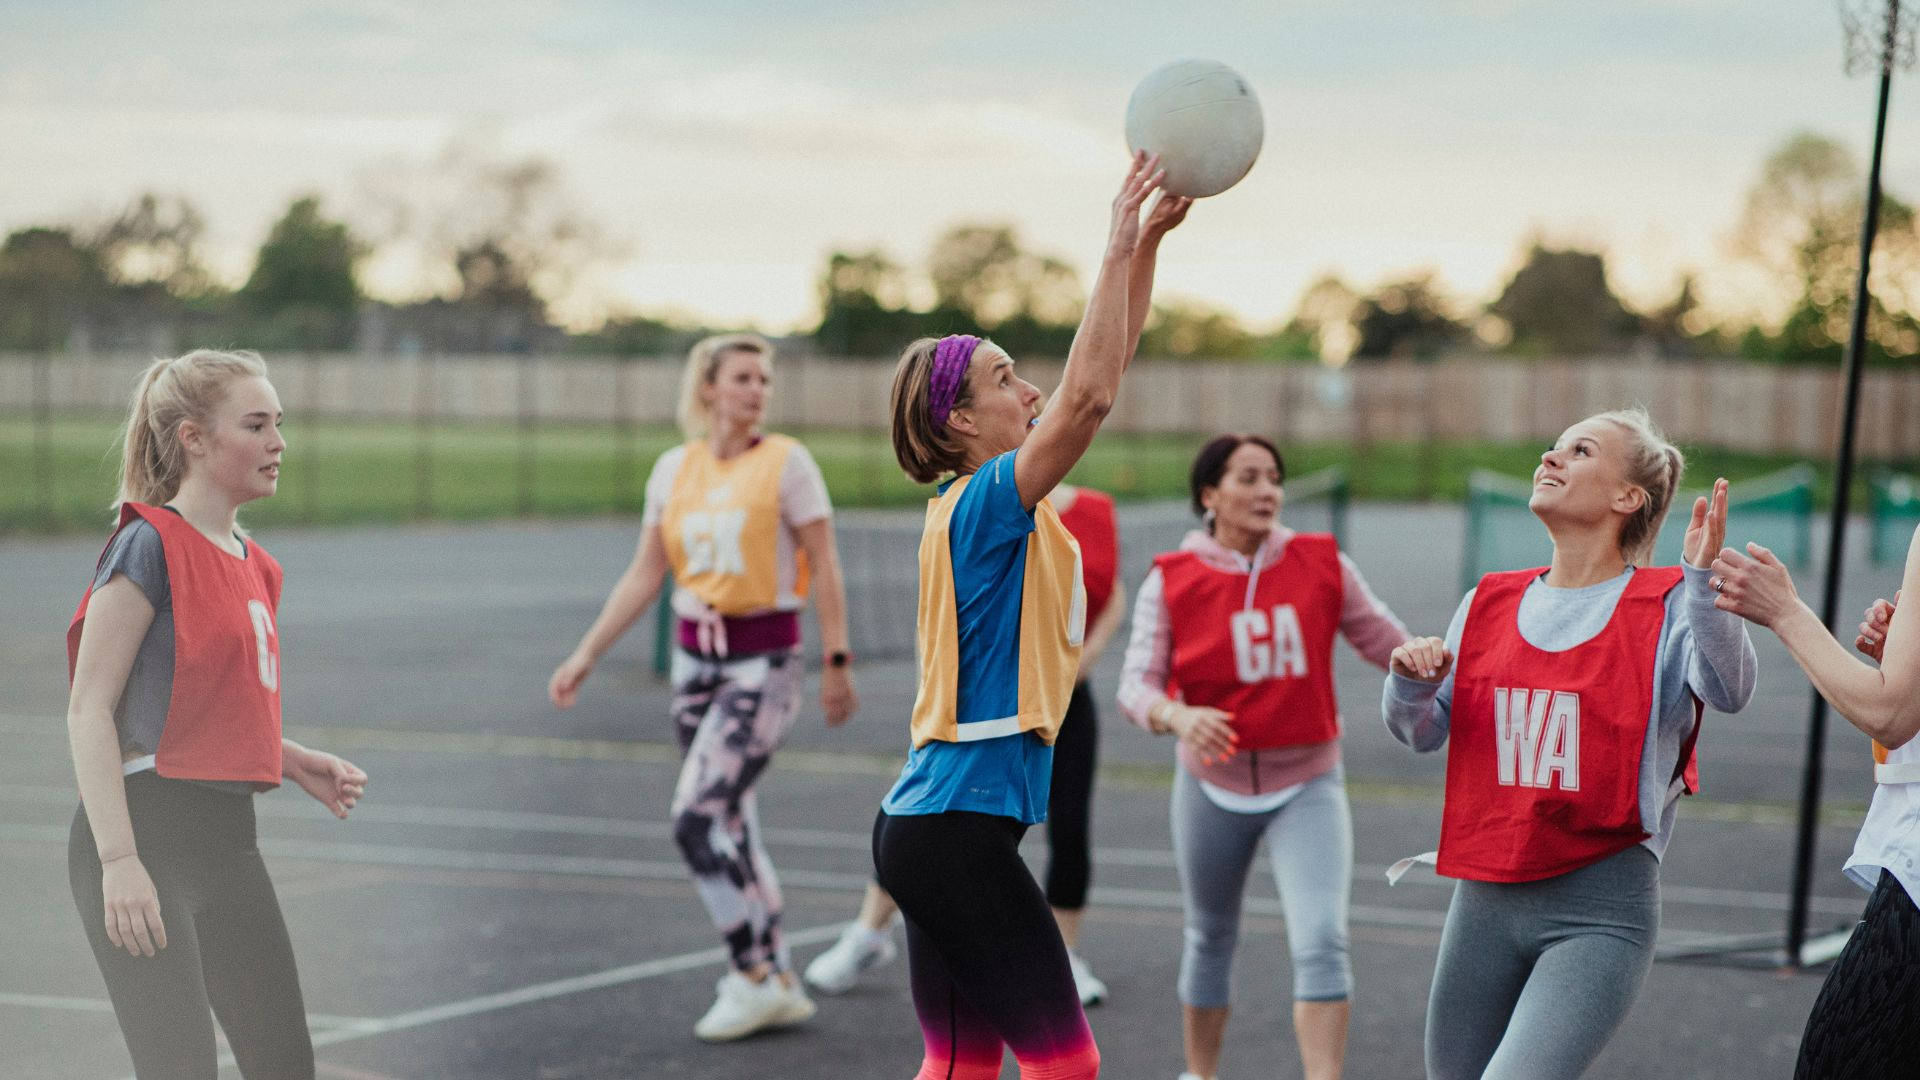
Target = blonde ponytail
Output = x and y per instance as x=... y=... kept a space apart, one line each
x=1655 y=466
x=186 y=387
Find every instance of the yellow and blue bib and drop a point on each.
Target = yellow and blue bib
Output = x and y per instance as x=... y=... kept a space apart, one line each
x=1001 y=618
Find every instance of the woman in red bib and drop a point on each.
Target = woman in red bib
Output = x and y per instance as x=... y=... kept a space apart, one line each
x=1571 y=713
x=174 y=721
x=742 y=520
x=1232 y=650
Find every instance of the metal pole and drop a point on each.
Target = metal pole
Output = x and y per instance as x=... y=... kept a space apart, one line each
x=43 y=437
x=524 y=478
x=1837 y=530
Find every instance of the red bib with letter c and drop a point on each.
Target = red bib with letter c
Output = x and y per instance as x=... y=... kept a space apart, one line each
x=223 y=720
x=1268 y=658
x=1544 y=752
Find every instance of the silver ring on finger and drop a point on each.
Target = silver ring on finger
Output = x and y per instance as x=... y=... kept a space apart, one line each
x=1720 y=585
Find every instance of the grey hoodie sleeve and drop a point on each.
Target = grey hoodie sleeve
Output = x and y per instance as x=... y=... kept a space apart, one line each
x=1419 y=713
x=1720 y=662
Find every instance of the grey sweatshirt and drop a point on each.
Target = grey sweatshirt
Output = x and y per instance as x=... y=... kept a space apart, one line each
x=1703 y=651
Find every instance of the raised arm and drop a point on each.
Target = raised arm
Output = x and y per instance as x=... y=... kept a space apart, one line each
x=1100 y=352
x=1168 y=211
x=1883 y=702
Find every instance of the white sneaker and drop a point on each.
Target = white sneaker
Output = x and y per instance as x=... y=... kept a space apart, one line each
x=1092 y=990
x=858 y=951
x=742 y=1007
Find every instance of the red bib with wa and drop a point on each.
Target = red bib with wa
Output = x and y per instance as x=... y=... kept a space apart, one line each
x=1091 y=521
x=1266 y=658
x=1544 y=751
x=223 y=721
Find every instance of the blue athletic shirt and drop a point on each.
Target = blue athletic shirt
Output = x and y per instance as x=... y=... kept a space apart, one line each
x=1008 y=776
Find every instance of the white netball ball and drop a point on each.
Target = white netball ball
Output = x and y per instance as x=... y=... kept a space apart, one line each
x=1203 y=120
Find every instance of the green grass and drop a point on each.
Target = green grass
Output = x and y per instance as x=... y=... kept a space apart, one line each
x=61 y=476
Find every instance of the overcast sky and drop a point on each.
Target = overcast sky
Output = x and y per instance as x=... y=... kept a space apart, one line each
x=730 y=146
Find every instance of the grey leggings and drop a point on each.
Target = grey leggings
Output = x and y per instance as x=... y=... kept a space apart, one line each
x=1310 y=843
x=1534 y=978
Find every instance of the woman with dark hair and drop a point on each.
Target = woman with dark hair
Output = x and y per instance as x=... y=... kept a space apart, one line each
x=1232 y=652
x=1002 y=615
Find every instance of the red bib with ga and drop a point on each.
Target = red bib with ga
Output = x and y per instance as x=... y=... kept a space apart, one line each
x=1265 y=658
x=1089 y=517
x=1544 y=751
x=223 y=720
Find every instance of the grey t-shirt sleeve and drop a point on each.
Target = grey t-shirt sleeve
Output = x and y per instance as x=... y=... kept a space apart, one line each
x=135 y=551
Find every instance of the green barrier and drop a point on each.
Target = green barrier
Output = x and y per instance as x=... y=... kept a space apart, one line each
x=1775 y=510
x=1896 y=514
x=1330 y=486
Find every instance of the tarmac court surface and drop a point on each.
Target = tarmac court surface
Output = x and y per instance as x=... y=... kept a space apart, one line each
x=508 y=903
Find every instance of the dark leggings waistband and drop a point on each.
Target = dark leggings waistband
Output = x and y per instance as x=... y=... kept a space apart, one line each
x=747 y=634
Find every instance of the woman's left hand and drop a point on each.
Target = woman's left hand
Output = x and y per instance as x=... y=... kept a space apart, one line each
x=837 y=697
x=1708 y=529
x=1754 y=586
x=1166 y=214
x=333 y=780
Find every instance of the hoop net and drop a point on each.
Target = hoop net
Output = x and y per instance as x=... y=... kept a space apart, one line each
x=1879 y=33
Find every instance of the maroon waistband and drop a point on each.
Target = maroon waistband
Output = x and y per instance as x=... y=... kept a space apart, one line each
x=749 y=634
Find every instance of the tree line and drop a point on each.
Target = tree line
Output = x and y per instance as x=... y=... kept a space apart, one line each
x=499 y=247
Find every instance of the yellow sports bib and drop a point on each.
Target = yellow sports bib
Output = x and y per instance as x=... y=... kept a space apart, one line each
x=1053 y=616
x=721 y=525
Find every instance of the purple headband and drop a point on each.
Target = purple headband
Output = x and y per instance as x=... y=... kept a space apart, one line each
x=950 y=359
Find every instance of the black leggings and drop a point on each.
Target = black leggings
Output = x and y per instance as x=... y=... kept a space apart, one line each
x=227 y=946
x=986 y=962
x=1070 y=803
x=1866 y=1021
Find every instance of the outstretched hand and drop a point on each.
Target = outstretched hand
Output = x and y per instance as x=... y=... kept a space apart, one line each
x=1707 y=532
x=1143 y=178
x=1755 y=586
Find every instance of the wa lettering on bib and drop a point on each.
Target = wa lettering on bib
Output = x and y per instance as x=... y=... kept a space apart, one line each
x=1267 y=661
x=1544 y=748
x=1537 y=737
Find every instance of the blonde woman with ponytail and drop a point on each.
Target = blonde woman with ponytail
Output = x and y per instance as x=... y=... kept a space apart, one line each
x=1570 y=696
x=174 y=722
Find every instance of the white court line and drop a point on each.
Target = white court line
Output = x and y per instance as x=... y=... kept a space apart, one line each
x=58 y=1003
x=538 y=992
x=582 y=825
x=674 y=870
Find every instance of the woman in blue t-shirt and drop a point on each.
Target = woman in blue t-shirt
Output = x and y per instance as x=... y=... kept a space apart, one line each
x=1002 y=613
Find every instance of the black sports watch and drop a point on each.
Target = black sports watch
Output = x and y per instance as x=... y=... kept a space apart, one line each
x=839 y=658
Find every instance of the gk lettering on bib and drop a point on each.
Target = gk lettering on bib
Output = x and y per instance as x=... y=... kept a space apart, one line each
x=1268 y=661
x=1544 y=748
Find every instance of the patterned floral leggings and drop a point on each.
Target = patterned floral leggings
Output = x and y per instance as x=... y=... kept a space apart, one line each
x=729 y=716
